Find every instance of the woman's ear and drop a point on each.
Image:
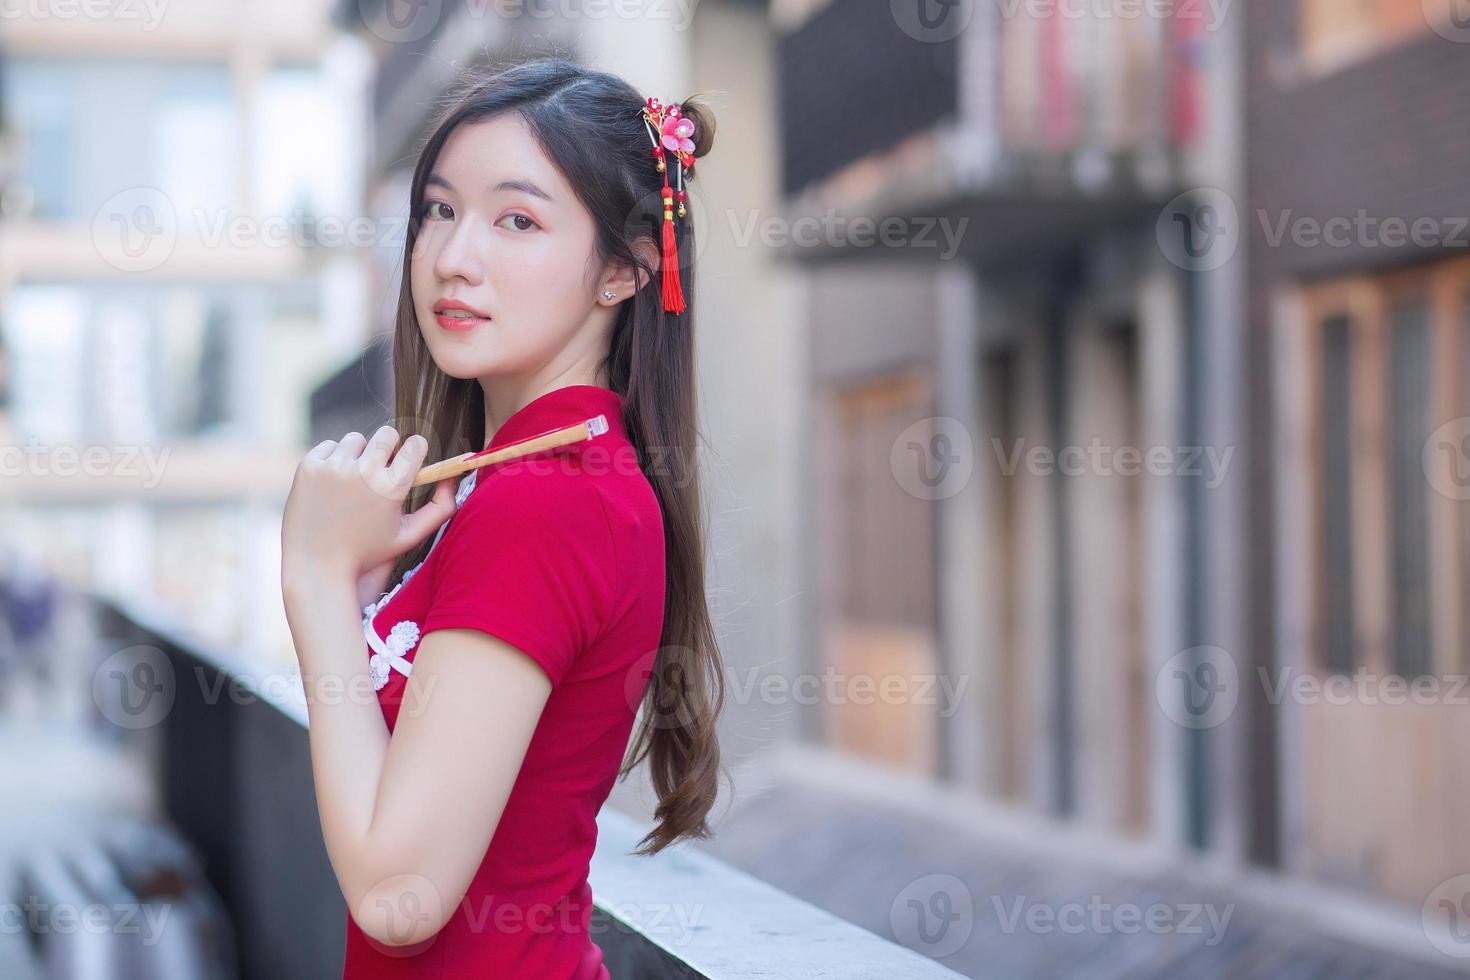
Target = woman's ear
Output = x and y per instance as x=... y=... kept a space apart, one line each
x=626 y=279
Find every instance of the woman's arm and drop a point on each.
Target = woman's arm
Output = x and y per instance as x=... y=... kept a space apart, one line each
x=407 y=821
x=405 y=827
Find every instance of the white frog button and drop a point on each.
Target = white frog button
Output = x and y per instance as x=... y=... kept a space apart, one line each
x=389 y=654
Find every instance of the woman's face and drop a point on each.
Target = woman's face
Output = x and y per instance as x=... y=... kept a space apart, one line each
x=504 y=235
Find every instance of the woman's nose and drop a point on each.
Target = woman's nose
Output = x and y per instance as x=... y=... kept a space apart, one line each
x=461 y=254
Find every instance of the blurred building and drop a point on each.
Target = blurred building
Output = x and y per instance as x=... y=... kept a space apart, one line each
x=1360 y=307
x=1014 y=393
x=1089 y=435
x=174 y=278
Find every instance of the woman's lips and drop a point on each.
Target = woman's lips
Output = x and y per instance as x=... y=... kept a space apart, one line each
x=459 y=324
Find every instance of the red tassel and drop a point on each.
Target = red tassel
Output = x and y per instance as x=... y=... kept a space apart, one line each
x=673 y=290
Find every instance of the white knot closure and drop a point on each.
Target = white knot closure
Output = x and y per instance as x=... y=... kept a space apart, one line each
x=401 y=639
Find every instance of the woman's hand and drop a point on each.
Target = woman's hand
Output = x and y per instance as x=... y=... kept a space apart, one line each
x=344 y=515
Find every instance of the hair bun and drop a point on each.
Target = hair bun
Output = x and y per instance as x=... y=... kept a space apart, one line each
x=704 y=125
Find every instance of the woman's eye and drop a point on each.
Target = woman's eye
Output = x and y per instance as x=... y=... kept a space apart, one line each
x=429 y=207
x=529 y=223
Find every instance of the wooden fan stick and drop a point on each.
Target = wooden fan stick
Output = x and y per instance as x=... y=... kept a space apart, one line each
x=565 y=436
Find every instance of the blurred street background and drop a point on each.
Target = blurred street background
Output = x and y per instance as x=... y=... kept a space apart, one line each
x=1086 y=386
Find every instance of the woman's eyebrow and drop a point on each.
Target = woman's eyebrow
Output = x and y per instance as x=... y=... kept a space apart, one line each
x=526 y=186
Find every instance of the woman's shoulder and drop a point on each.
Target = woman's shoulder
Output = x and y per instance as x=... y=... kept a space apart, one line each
x=540 y=493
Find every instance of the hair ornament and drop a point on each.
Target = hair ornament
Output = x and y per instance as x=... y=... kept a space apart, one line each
x=672 y=135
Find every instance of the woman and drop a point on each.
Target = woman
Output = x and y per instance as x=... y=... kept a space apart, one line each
x=511 y=656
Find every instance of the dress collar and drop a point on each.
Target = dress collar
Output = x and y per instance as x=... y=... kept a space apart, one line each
x=560 y=407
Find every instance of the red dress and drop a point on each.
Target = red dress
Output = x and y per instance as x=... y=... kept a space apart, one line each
x=562 y=556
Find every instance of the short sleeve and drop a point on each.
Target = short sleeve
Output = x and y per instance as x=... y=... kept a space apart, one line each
x=528 y=558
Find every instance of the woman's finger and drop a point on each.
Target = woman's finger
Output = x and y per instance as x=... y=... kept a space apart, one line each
x=375 y=456
x=410 y=459
x=428 y=518
x=350 y=447
x=323 y=449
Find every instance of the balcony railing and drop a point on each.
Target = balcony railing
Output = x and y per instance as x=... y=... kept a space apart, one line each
x=1013 y=120
x=234 y=775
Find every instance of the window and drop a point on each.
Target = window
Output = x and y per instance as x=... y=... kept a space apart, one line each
x=1461 y=659
x=144 y=363
x=1410 y=386
x=1387 y=554
x=88 y=129
x=1333 y=33
x=1337 y=495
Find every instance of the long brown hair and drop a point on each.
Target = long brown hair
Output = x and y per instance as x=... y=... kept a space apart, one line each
x=590 y=125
